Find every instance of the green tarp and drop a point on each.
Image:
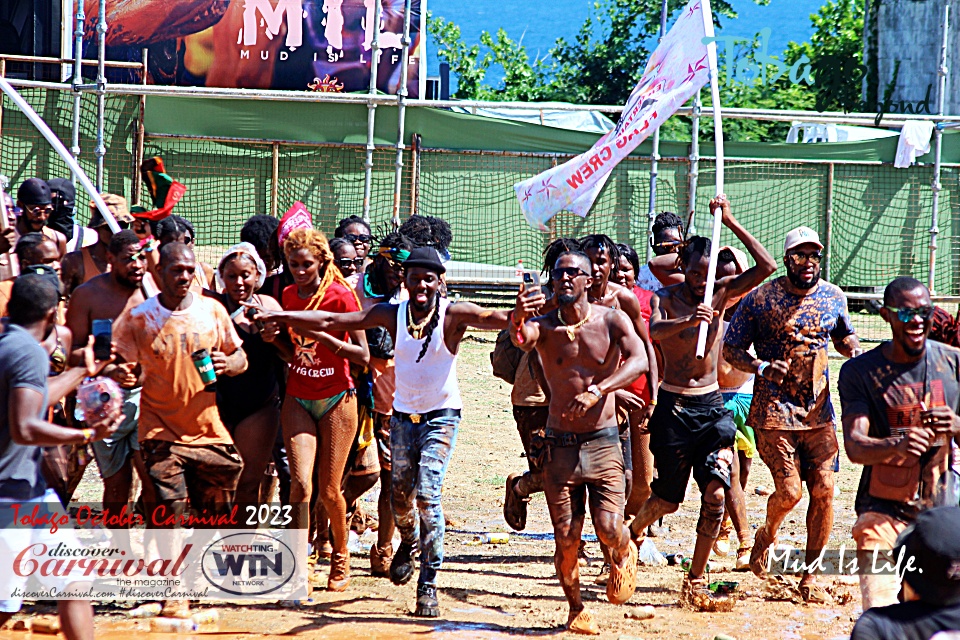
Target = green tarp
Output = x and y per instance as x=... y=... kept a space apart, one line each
x=441 y=129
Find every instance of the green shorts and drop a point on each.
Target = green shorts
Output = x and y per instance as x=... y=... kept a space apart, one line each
x=739 y=404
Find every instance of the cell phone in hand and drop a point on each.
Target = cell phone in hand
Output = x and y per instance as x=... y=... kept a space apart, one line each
x=531 y=281
x=102 y=337
x=251 y=313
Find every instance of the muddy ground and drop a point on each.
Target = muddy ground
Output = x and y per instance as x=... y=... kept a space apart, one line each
x=510 y=590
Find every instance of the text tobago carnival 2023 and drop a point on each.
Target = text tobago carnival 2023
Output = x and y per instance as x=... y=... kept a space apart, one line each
x=33 y=517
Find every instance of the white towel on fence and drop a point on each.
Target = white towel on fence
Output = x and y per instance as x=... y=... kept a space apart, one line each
x=914 y=141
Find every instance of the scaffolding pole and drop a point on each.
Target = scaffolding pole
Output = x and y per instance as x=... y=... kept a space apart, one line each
x=401 y=111
x=371 y=110
x=101 y=149
x=937 y=148
x=79 y=19
x=655 y=153
x=141 y=132
x=694 y=175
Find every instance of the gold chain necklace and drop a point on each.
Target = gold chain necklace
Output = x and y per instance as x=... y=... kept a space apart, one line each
x=572 y=328
x=416 y=330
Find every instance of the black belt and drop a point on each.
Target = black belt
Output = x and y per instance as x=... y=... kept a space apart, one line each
x=568 y=439
x=417 y=418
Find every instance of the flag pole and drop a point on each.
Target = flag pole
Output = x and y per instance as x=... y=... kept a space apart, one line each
x=718 y=138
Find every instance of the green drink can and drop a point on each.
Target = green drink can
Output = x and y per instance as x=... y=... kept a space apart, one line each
x=204 y=365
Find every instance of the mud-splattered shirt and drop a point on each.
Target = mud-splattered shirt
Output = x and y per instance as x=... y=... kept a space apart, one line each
x=174 y=405
x=785 y=326
x=889 y=394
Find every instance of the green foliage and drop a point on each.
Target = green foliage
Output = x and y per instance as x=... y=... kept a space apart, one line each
x=599 y=66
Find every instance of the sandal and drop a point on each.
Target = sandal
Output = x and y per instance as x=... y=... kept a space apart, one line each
x=623 y=576
x=815 y=594
x=514 y=507
x=761 y=551
x=583 y=623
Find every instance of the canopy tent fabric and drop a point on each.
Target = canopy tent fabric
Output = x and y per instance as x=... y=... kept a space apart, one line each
x=444 y=129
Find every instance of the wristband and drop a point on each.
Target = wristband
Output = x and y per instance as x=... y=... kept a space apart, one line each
x=652 y=402
x=762 y=368
x=88 y=435
x=595 y=391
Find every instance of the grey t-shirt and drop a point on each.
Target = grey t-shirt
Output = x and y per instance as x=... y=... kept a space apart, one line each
x=890 y=395
x=23 y=365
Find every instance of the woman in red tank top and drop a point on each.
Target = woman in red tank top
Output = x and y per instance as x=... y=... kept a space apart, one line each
x=319 y=414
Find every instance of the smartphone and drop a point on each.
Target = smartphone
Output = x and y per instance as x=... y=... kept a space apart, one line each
x=102 y=337
x=250 y=313
x=531 y=281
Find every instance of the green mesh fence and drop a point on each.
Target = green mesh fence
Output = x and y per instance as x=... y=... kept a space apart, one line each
x=878 y=223
x=24 y=153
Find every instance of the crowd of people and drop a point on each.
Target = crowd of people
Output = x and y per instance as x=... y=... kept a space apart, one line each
x=332 y=364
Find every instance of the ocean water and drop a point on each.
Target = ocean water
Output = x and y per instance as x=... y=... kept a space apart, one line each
x=538 y=23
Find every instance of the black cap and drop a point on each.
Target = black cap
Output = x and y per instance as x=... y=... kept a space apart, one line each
x=934 y=544
x=65 y=188
x=34 y=191
x=427 y=258
x=44 y=271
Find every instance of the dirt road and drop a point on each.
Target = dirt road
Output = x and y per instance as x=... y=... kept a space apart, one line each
x=506 y=590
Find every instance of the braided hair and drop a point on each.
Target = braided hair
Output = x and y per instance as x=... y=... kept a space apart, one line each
x=378 y=282
x=431 y=326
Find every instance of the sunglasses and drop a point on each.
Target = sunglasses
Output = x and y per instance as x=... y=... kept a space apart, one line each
x=38 y=207
x=570 y=272
x=800 y=258
x=906 y=314
x=363 y=237
x=346 y=263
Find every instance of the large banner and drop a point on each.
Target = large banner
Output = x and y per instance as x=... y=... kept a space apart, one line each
x=323 y=45
x=676 y=70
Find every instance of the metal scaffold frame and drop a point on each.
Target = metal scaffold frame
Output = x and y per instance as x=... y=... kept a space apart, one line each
x=71 y=68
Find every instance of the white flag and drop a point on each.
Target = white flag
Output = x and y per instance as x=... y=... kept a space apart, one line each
x=675 y=71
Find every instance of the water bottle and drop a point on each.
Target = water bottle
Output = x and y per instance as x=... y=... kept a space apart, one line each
x=172 y=625
x=146 y=611
x=493 y=538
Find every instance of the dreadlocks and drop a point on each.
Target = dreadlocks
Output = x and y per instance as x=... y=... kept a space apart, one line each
x=667 y=220
x=389 y=245
x=695 y=246
x=601 y=242
x=428 y=231
x=555 y=249
x=431 y=326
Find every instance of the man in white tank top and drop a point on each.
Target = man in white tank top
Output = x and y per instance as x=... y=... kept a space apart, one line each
x=426 y=331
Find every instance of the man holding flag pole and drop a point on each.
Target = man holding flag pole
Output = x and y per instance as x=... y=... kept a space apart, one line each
x=683 y=62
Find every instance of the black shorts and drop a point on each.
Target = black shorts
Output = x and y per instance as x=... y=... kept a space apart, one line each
x=690 y=433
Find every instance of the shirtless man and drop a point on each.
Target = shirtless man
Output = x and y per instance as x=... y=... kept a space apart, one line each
x=107 y=297
x=588 y=351
x=690 y=429
x=86 y=263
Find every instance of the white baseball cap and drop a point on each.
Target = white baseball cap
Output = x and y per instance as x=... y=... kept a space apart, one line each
x=801 y=235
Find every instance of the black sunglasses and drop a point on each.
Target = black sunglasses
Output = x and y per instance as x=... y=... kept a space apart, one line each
x=571 y=272
x=345 y=263
x=906 y=314
x=365 y=238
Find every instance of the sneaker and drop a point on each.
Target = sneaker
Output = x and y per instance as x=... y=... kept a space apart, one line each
x=339 y=578
x=743 y=559
x=721 y=546
x=604 y=576
x=427 y=605
x=380 y=560
x=401 y=569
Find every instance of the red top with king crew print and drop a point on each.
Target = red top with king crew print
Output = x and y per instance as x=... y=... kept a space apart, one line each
x=316 y=373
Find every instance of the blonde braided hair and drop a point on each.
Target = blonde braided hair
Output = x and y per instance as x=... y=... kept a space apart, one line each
x=316 y=244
